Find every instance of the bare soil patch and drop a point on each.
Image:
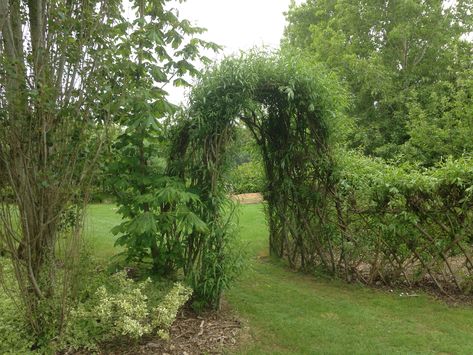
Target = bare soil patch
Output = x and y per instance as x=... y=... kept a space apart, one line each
x=247 y=199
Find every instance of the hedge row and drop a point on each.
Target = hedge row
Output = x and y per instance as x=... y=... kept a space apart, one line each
x=381 y=223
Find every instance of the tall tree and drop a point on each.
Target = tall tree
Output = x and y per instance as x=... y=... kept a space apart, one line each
x=54 y=93
x=385 y=51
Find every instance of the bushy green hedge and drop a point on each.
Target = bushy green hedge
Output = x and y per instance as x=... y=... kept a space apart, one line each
x=397 y=224
x=375 y=222
x=246 y=178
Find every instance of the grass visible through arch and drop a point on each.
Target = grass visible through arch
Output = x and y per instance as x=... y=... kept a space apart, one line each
x=292 y=313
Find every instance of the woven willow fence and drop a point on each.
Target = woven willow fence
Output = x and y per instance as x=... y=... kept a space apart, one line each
x=396 y=225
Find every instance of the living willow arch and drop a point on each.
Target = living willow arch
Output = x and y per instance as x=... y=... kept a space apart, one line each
x=290 y=108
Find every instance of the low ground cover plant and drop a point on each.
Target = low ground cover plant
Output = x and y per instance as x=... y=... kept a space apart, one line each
x=107 y=308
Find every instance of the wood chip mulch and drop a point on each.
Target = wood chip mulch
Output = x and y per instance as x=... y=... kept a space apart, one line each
x=191 y=334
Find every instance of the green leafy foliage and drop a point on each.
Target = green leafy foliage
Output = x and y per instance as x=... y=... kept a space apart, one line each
x=409 y=225
x=108 y=314
x=165 y=313
x=219 y=263
x=290 y=107
x=443 y=126
x=14 y=334
x=246 y=171
x=403 y=61
x=165 y=217
x=247 y=177
x=158 y=212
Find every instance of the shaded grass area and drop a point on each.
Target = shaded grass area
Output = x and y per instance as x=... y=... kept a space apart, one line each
x=292 y=313
x=100 y=219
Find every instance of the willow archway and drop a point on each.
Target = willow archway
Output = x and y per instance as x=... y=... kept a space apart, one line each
x=290 y=108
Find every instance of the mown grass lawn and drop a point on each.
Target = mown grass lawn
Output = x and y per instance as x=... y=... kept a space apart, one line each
x=292 y=313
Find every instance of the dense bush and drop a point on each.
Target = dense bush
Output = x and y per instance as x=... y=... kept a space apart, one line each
x=217 y=268
x=414 y=225
x=107 y=308
x=247 y=177
x=122 y=309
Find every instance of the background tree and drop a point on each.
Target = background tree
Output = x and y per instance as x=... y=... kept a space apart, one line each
x=391 y=54
x=443 y=125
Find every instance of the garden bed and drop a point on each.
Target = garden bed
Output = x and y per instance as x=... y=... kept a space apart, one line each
x=208 y=333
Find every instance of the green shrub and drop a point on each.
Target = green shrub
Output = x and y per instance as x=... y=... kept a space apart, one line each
x=218 y=268
x=105 y=309
x=407 y=224
x=6 y=193
x=108 y=314
x=14 y=335
x=247 y=177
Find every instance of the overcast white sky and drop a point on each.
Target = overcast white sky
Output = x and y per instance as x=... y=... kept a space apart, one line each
x=235 y=25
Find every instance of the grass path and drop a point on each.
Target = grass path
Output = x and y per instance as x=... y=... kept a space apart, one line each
x=292 y=313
